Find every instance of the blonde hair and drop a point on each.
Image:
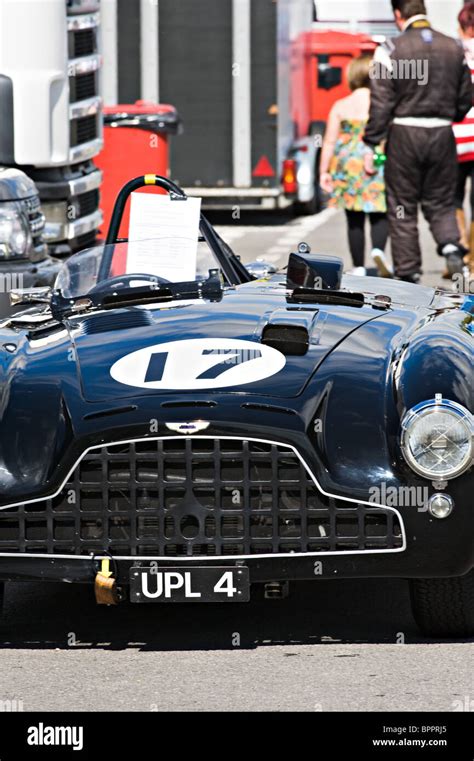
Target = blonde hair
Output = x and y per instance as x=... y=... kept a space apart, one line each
x=358 y=72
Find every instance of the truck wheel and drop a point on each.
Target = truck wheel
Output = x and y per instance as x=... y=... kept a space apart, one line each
x=305 y=208
x=309 y=207
x=444 y=607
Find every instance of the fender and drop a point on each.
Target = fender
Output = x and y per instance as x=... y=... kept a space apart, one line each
x=438 y=360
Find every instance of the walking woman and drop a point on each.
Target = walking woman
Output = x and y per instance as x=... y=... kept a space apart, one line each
x=343 y=175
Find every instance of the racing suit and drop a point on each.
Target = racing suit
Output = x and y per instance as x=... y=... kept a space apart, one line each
x=420 y=84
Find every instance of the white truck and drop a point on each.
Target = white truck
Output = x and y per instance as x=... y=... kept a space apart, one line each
x=376 y=16
x=50 y=101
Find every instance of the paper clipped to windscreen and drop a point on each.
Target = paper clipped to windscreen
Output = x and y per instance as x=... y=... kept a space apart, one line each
x=163 y=236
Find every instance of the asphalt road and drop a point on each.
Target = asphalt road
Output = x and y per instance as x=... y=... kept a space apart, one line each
x=274 y=235
x=332 y=645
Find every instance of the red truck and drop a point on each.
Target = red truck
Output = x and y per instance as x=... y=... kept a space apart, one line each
x=319 y=59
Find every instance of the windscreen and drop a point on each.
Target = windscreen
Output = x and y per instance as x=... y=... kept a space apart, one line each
x=133 y=264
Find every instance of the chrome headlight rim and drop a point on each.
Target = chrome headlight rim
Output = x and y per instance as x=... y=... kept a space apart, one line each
x=18 y=222
x=424 y=409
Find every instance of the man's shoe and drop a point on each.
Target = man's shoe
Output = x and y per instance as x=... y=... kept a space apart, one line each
x=454 y=256
x=455 y=264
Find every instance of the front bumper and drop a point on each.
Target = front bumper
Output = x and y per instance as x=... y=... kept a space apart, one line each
x=261 y=570
x=251 y=199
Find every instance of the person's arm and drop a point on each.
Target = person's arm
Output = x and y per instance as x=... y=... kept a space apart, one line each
x=327 y=151
x=464 y=101
x=383 y=98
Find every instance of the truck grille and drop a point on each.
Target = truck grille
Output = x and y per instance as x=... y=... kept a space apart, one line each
x=82 y=42
x=87 y=240
x=83 y=86
x=83 y=25
x=83 y=130
x=88 y=202
x=195 y=497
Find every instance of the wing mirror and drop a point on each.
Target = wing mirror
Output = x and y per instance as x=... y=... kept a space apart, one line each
x=318 y=271
x=24 y=296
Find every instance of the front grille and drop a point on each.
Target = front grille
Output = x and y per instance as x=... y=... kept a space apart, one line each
x=88 y=202
x=83 y=86
x=33 y=204
x=195 y=497
x=83 y=130
x=82 y=42
x=35 y=217
x=87 y=240
x=36 y=222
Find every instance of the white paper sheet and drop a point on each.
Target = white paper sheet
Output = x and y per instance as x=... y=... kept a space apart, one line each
x=167 y=232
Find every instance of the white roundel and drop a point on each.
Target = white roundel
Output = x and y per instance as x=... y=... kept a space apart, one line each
x=198 y=363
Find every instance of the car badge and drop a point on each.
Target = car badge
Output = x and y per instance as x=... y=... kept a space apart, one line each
x=191 y=427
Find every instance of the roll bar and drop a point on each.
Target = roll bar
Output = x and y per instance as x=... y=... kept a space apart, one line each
x=232 y=268
x=122 y=198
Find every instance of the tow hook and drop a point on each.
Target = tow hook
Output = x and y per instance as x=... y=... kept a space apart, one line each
x=105 y=586
x=276 y=590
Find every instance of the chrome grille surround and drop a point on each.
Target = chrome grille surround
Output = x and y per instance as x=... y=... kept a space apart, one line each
x=196 y=497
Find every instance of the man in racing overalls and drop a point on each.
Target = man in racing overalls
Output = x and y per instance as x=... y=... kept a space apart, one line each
x=420 y=84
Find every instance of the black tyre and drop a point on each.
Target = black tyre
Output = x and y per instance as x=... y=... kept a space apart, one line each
x=309 y=207
x=444 y=607
x=316 y=204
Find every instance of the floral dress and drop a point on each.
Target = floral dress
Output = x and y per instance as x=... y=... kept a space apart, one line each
x=353 y=189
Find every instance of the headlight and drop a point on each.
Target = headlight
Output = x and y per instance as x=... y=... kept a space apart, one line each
x=14 y=234
x=437 y=439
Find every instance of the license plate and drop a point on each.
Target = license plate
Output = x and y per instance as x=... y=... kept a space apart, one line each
x=198 y=584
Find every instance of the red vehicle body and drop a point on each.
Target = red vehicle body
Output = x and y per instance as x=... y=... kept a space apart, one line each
x=319 y=60
x=135 y=140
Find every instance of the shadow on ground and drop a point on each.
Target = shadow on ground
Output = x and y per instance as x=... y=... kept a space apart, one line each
x=42 y=615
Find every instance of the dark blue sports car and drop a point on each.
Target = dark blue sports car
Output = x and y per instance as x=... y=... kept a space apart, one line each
x=170 y=441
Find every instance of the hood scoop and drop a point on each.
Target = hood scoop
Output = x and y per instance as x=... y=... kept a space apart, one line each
x=289 y=331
